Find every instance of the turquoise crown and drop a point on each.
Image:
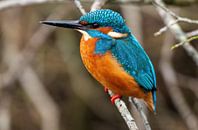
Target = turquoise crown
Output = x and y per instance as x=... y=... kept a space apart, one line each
x=106 y=18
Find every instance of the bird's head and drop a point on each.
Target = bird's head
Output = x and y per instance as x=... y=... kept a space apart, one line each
x=104 y=20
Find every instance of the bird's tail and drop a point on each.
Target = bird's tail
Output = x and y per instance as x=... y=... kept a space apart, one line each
x=150 y=100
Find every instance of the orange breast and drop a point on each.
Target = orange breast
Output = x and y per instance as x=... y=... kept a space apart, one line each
x=108 y=71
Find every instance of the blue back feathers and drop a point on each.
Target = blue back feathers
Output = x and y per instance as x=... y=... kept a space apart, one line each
x=127 y=51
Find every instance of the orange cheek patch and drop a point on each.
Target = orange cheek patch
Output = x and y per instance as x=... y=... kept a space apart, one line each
x=104 y=30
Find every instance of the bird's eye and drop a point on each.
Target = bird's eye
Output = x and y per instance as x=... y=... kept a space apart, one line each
x=95 y=25
x=83 y=23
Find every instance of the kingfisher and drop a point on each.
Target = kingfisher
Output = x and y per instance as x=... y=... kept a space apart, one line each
x=113 y=56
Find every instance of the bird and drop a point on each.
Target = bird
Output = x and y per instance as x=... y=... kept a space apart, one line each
x=113 y=55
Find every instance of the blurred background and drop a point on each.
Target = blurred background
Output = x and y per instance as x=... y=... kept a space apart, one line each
x=44 y=85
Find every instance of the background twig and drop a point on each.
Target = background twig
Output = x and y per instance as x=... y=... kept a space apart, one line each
x=177 y=31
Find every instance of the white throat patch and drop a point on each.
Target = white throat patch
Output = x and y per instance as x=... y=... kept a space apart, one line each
x=86 y=36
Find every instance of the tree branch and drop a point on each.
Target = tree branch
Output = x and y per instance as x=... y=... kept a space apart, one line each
x=126 y=115
x=177 y=31
x=177 y=19
x=98 y=4
x=139 y=107
x=80 y=7
x=193 y=33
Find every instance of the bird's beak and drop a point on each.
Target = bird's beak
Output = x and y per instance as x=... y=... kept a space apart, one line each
x=73 y=24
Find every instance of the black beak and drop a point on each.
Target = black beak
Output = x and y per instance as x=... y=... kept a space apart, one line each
x=73 y=24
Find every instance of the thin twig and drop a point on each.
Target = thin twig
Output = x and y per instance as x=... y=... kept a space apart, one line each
x=177 y=31
x=181 y=43
x=80 y=7
x=177 y=19
x=98 y=4
x=165 y=28
x=192 y=33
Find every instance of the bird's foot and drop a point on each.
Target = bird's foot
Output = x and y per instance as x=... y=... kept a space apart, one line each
x=114 y=97
x=106 y=90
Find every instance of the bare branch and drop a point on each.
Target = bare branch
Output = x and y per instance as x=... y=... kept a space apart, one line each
x=98 y=4
x=177 y=19
x=181 y=43
x=165 y=28
x=126 y=115
x=80 y=7
x=177 y=31
x=193 y=33
x=139 y=107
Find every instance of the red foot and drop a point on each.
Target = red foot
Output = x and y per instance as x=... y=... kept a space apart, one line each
x=114 y=97
x=106 y=90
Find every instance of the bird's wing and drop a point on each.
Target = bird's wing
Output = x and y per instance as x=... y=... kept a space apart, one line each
x=130 y=55
x=135 y=61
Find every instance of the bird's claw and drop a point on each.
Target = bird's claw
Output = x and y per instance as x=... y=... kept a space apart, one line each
x=114 y=97
x=106 y=90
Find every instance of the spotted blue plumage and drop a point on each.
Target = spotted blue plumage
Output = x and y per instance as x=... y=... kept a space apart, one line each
x=127 y=51
x=106 y=17
x=135 y=61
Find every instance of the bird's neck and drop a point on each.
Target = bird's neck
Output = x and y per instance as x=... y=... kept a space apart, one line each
x=87 y=46
x=98 y=42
